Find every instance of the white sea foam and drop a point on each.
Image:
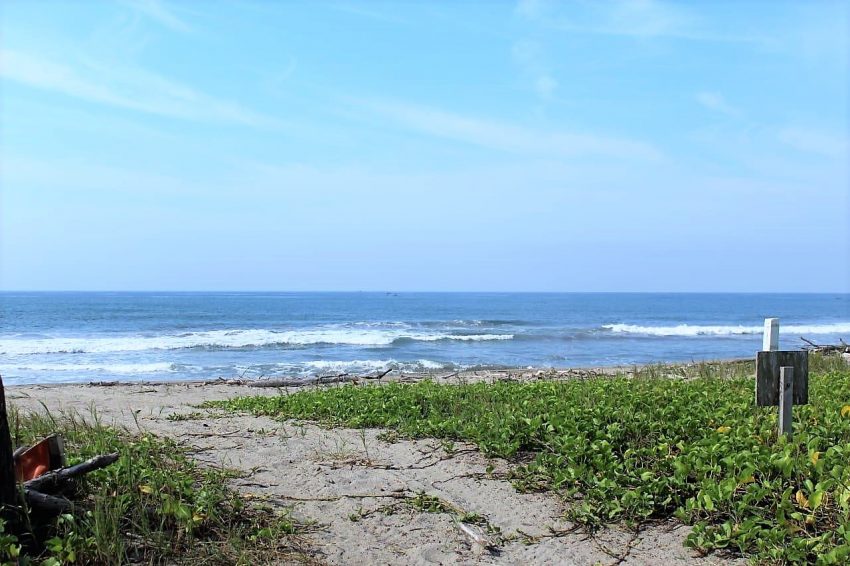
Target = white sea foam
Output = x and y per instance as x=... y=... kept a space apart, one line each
x=226 y=339
x=726 y=330
x=462 y=337
x=349 y=365
x=107 y=368
x=370 y=365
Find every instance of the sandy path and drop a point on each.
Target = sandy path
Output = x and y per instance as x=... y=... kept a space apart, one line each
x=360 y=490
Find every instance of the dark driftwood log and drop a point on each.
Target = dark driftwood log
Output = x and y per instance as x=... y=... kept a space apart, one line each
x=52 y=480
x=378 y=376
x=8 y=489
x=303 y=382
x=321 y=380
x=825 y=348
x=47 y=502
x=284 y=382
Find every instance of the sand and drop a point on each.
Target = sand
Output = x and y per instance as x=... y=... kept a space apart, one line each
x=358 y=488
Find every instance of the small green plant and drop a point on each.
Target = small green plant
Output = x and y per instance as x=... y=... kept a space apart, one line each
x=388 y=436
x=10 y=547
x=154 y=505
x=662 y=441
x=429 y=503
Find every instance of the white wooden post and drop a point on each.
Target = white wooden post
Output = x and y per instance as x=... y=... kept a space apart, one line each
x=770 y=343
x=786 y=399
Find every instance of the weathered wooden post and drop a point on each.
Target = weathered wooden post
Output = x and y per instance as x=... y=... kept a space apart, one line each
x=786 y=400
x=782 y=377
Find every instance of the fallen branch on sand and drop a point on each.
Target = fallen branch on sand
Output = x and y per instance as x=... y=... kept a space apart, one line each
x=843 y=347
x=320 y=380
x=34 y=489
x=42 y=456
x=55 y=479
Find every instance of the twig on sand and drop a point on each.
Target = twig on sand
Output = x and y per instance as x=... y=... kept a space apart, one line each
x=620 y=557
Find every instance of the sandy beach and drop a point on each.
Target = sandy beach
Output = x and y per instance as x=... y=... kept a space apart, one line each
x=356 y=487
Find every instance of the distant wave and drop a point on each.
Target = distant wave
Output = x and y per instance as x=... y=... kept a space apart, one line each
x=723 y=330
x=323 y=367
x=158 y=367
x=374 y=365
x=229 y=339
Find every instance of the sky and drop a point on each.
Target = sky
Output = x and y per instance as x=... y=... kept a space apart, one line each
x=425 y=146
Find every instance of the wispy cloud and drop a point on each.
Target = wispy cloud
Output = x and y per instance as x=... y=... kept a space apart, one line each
x=362 y=10
x=715 y=101
x=160 y=13
x=641 y=19
x=530 y=8
x=528 y=55
x=128 y=88
x=506 y=137
x=816 y=141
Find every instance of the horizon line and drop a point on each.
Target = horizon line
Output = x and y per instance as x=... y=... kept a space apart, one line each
x=394 y=292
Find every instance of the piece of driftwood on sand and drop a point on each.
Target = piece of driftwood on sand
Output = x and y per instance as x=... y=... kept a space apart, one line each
x=34 y=489
x=320 y=380
x=840 y=348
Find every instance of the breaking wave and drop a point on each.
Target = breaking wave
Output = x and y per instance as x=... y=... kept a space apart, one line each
x=725 y=330
x=157 y=367
x=229 y=339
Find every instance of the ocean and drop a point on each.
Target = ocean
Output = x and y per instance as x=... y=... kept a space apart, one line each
x=80 y=337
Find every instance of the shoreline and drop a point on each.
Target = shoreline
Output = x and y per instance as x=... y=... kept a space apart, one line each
x=482 y=373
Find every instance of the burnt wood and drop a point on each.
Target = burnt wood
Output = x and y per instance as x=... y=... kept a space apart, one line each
x=768 y=366
x=54 y=479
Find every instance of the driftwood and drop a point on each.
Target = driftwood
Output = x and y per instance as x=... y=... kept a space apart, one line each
x=320 y=380
x=54 y=479
x=47 y=502
x=34 y=489
x=843 y=347
x=378 y=376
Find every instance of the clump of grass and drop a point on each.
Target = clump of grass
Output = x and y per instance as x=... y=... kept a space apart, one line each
x=154 y=505
x=641 y=448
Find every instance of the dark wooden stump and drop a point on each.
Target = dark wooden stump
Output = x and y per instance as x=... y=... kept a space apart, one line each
x=8 y=489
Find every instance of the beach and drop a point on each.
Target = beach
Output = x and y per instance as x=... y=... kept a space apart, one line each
x=355 y=486
x=431 y=479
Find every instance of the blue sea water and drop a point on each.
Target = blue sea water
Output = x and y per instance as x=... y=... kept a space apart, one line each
x=73 y=337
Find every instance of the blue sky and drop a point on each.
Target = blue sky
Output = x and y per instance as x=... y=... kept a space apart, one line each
x=531 y=146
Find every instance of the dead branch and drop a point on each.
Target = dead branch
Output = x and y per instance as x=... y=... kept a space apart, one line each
x=379 y=376
x=825 y=348
x=52 y=480
x=47 y=502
